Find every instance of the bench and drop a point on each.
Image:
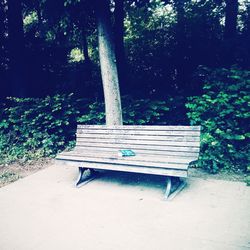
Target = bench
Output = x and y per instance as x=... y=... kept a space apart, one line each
x=159 y=150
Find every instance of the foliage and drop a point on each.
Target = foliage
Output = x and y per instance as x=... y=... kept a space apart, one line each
x=139 y=112
x=167 y=40
x=248 y=176
x=33 y=128
x=149 y=41
x=223 y=112
x=143 y=112
x=30 y=19
x=248 y=180
x=76 y=55
x=164 y=42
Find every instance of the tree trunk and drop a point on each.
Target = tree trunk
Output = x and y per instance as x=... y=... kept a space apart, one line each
x=231 y=12
x=119 y=43
x=108 y=64
x=180 y=61
x=2 y=31
x=85 y=47
x=87 y=62
x=230 y=33
x=3 y=55
x=16 y=48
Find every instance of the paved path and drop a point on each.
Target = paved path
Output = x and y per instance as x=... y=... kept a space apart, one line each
x=45 y=212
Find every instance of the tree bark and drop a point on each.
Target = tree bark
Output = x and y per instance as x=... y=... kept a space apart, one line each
x=231 y=12
x=16 y=49
x=119 y=43
x=180 y=47
x=85 y=47
x=2 y=31
x=230 y=33
x=87 y=61
x=3 y=55
x=108 y=64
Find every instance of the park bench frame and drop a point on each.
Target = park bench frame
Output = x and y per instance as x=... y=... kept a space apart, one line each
x=160 y=150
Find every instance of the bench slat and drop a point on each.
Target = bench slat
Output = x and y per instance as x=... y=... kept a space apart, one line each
x=138 y=142
x=192 y=155
x=141 y=127
x=141 y=137
x=126 y=168
x=133 y=146
x=138 y=132
x=137 y=157
x=124 y=162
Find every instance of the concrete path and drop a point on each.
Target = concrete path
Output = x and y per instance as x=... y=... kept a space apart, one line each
x=122 y=211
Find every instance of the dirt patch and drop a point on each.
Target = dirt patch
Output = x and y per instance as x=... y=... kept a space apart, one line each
x=12 y=172
x=223 y=175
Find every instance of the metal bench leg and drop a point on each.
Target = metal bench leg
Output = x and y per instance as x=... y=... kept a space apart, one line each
x=168 y=189
x=85 y=176
x=173 y=190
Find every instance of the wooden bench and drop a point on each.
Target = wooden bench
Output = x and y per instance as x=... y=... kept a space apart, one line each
x=160 y=150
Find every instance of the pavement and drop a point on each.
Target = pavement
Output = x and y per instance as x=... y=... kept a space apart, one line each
x=122 y=211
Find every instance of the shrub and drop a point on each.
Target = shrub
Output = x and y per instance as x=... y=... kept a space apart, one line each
x=248 y=176
x=33 y=128
x=138 y=112
x=248 y=180
x=223 y=113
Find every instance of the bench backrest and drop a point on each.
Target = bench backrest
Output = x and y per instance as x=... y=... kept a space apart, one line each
x=176 y=141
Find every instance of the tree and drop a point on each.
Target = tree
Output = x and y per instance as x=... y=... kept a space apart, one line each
x=181 y=48
x=3 y=54
x=230 y=31
x=16 y=49
x=108 y=64
x=231 y=12
x=2 y=31
x=164 y=42
x=119 y=14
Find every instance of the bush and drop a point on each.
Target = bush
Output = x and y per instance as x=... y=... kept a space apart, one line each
x=223 y=113
x=248 y=180
x=35 y=128
x=138 y=112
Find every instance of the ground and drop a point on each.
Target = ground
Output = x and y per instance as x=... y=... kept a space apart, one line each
x=44 y=211
x=15 y=171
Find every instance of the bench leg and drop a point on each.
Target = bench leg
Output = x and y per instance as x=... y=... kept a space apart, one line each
x=85 y=176
x=174 y=186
